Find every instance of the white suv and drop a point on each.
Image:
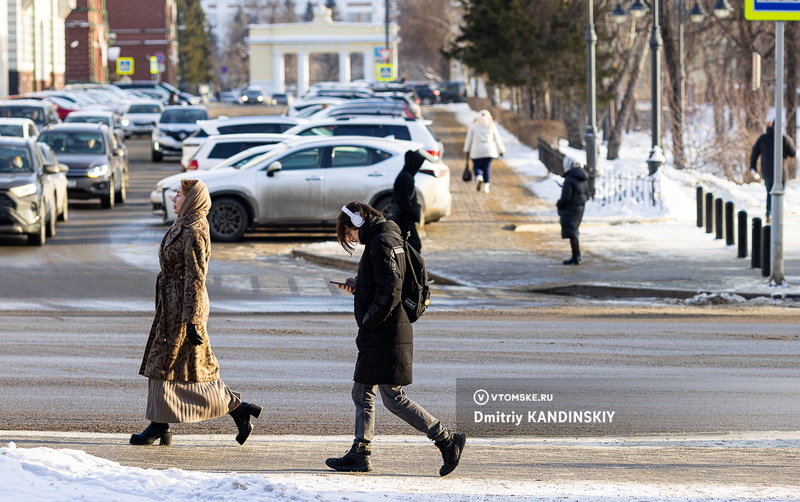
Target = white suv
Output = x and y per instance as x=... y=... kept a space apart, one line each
x=215 y=149
x=375 y=126
x=251 y=124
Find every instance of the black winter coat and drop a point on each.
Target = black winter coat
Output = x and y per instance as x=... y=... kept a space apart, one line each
x=385 y=338
x=404 y=196
x=765 y=147
x=574 y=194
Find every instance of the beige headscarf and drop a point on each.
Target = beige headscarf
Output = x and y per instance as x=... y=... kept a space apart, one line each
x=197 y=203
x=484 y=118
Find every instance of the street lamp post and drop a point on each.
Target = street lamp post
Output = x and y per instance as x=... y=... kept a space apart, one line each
x=591 y=86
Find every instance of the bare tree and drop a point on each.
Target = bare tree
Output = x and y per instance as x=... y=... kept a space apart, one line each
x=427 y=28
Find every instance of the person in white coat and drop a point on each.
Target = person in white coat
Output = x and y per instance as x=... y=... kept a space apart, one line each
x=483 y=144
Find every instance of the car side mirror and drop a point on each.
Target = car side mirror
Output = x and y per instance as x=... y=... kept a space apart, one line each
x=119 y=152
x=51 y=169
x=273 y=168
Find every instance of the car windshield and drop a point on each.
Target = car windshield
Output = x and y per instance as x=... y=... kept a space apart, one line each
x=77 y=143
x=11 y=130
x=144 y=109
x=88 y=119
x=183 y=116
x=34 y=113
x=15 y=159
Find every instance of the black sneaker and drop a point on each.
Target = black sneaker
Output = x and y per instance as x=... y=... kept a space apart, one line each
x=451 y=452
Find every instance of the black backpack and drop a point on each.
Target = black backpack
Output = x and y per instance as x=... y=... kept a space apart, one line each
x=416 y=292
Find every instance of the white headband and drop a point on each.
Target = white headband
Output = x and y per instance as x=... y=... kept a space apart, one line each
x=357 y=219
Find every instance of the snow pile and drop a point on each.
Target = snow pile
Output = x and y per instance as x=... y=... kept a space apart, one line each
x=67 y=475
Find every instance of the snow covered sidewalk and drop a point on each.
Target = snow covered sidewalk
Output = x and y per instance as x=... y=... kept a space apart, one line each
x=103 y=467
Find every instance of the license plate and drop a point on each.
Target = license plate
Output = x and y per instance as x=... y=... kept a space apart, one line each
x=72 y=183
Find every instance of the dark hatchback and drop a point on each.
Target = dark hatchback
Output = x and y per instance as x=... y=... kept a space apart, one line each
x=98 y=162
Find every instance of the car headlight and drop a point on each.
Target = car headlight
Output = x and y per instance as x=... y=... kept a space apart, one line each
x=97 y=171
x=24 y=190
x=125 y=122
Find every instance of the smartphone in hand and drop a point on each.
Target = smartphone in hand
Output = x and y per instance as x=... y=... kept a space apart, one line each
x=338 y=283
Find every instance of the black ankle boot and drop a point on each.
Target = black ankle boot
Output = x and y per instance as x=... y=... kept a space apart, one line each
x=575 y=260
x=151 y=433
x=451 y=449
x=241 y=416
x=355 y=460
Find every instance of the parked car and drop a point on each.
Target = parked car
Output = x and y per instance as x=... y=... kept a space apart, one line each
x=174 y=95
x=111 y=119
x=19 y=128
x=255 y=95
x=374 y=106
x=28 y=196
x=283 y=98
x=140 y=117
x=236 y=161
x=319 y=102
x=380 y=127
x=428 y=92
x=217 y=148
x=42 y=112
x=453 y=92
x=98 y=163
x=272 y=124
x=304 y=181
x=175 y=125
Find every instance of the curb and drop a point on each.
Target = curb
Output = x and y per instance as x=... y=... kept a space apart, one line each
x=599 y=291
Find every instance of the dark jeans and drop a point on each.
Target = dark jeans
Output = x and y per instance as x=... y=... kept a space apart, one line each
x=395 y=400
x=482 y=166
x=768 y=184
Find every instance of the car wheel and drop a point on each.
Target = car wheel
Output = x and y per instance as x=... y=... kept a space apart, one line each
x=384 y=204
x=157 y=156
x=64 y=216
x=227 y=220
x=107 y=201
x=122 y=194
x=39 y=238
x=51 y=221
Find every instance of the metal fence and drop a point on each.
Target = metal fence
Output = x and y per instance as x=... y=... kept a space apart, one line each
x=614 y=188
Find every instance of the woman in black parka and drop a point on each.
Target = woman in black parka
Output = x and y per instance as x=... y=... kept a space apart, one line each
x=574 y=194
x=385 y=339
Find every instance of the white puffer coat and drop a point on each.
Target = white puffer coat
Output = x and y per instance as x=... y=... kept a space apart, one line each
x=483 y=141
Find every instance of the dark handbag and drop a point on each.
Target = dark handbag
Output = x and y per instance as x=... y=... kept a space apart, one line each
x=467 y=175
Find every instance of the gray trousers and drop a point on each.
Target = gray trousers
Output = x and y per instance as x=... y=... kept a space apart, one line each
x=396 y=401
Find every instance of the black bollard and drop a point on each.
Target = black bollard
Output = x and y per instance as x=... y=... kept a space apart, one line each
x=755 y=255
x=718 y=220
x=742 y=235
x=765 y=245
x=709 y=213
x=729 y=235
x=699 y=207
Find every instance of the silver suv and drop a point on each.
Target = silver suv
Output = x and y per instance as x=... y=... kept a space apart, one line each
x=415 y=130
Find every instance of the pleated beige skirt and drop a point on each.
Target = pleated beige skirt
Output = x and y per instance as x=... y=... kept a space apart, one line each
x=170 y=402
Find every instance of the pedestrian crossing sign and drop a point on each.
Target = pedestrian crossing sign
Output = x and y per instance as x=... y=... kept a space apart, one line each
x=124 y=66
x=385 y=72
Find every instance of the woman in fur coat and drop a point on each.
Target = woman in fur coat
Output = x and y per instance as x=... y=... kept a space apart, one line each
x=183 y=372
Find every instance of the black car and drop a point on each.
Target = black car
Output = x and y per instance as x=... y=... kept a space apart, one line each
x=428 y=92
x=453 y=92
x=98 y=162
x=28 y=204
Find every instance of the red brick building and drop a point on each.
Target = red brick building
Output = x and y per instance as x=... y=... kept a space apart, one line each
x=86 y=43
x=145 y=28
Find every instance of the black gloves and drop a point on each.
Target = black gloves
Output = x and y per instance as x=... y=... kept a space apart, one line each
x=195 y=338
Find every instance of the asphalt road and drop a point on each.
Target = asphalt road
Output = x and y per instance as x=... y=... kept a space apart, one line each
x=666 y=373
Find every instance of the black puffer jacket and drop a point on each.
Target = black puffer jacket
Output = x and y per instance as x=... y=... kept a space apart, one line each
x=385 y=338
x=404 y=197
x=765 y=147
x=574 y=195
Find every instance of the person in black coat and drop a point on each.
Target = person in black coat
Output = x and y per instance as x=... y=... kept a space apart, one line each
x=385 y=339
x=405 y=208
x=765 y=148
x=574 y=194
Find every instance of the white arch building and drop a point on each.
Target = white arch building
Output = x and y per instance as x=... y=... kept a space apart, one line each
x=270 y=42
